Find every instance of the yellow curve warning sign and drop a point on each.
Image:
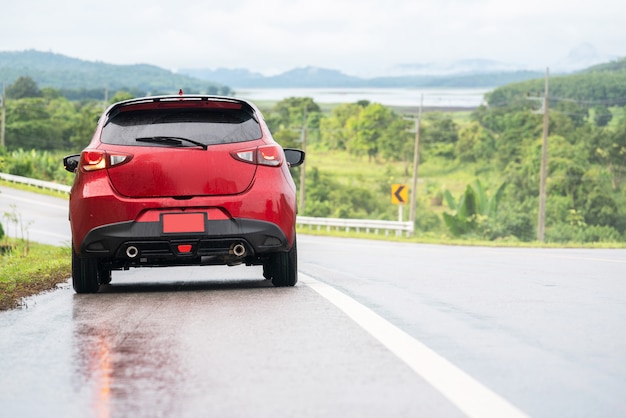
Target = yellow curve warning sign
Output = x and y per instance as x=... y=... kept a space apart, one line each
x=399 y=194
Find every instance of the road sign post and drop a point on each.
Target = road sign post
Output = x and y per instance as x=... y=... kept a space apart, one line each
x=399 y=196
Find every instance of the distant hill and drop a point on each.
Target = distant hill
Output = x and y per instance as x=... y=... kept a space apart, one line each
x=617 y=65
x=321 y=77
x=456 y=67
x=299 y=77
x=58 y=71
x=464 y=73
x=600 y=85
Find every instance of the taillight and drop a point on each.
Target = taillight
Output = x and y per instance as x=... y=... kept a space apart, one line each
x=270 y=155
x=93 y=160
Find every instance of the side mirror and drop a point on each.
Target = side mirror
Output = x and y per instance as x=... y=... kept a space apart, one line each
x=70 y=162
x=294 y=157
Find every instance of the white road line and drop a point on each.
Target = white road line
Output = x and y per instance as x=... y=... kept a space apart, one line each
x=465 y=392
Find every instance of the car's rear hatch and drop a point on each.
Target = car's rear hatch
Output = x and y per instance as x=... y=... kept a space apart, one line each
x=180 y=149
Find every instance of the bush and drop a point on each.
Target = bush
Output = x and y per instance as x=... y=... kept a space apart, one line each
x=513 y=222
x=42 y=165
x=563 y=233
x=427 y=221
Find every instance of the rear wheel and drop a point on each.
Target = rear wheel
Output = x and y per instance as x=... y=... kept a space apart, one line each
x=284 y=267
x=84 y=274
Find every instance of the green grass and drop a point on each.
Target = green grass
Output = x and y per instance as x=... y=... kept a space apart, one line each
x=434 y=175
x=27 y=269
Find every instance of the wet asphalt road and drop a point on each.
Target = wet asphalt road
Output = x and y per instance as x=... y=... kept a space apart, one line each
x=543 y=330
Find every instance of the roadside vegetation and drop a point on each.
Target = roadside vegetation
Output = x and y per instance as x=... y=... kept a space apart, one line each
x=30 y=268
x=27 y=267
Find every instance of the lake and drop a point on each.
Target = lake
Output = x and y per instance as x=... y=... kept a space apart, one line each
x=433 y=97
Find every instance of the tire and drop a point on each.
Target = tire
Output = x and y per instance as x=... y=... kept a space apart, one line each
x=84 y=274
x=284 y=267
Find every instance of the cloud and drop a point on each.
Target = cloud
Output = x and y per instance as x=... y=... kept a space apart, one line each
x=358 y=37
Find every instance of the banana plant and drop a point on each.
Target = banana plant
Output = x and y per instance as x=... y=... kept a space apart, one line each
x=472 y=210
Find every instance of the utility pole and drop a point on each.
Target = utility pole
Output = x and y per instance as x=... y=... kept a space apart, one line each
x=544 y=165
x=302 y=167
x=3 y=117
x=416 y=159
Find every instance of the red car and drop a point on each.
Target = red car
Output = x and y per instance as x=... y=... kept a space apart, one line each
x=182 y=180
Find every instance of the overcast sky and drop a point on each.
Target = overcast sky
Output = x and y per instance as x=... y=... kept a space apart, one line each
x=358 y=37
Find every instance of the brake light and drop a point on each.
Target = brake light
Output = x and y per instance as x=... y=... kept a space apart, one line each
x=269 y=155
x=93 y=160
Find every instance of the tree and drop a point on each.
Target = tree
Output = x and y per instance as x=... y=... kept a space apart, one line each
x=121 y=96
x=602 y=210
x=291 y=110
x=333 y=129
x=439 y=135
x=602 y=115
x=475 y=143
x=84 y=124
x=24 y=87
x=397 y=141
x=576 y=112
x=288 y=117
x=610 y=151
x=28 y=125
x=370 y=126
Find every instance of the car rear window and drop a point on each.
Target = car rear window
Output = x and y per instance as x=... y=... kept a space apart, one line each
x=208 y=126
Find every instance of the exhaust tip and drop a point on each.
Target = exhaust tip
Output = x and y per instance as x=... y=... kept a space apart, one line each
x=239 y=249
x=132 y=251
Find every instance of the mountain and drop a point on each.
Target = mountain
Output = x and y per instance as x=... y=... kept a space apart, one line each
x=314 y=77
x=579 y=58
x=61 y=72
x=58 y=71
x=466 y=66
x=230 y=77
x=466 y=73
x=300 y=77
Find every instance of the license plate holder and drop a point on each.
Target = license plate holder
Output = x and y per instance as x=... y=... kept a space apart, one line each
x=183 y=223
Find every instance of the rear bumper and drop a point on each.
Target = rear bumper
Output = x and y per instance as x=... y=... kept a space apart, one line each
x=128 y=244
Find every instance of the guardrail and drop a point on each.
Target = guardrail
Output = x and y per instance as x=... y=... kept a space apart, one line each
x=46 y=185
x=358 y=225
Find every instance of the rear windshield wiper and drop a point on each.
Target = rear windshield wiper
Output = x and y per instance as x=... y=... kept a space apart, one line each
x=170 y=140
